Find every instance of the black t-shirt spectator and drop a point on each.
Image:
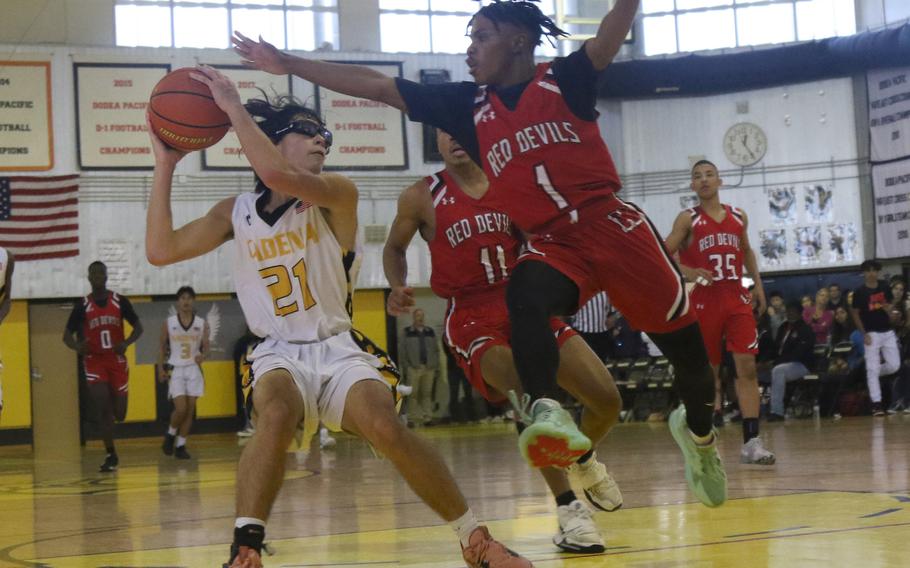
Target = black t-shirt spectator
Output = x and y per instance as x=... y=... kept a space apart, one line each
x=450 y=106
x=795 y=343
x=871 y=305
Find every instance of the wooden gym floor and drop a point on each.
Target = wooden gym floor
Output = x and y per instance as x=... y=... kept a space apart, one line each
x=839 y=496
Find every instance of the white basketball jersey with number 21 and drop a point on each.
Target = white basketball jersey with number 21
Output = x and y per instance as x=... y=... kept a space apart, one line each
x=293 y=279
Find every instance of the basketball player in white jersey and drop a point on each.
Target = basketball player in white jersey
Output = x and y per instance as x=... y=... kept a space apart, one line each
x=296 y=260
x=183 y=347
x=6 y=286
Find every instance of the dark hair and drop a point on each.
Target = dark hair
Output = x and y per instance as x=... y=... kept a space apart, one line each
x=186 y=290
x=870 y=265
x=795 y=305
x=775 y=293
x=273 y=115
x=702 y=163
x=522 y=13
x=98 y=263
x=897 y=279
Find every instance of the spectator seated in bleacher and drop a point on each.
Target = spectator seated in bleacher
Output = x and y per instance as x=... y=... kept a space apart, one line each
x=819 y=317
x=900 y=390
x=794 y=345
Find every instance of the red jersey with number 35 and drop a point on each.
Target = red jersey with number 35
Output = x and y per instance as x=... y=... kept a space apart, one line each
x=102 y=326
x=473 y=247
x=716 y=246
x=543 y=161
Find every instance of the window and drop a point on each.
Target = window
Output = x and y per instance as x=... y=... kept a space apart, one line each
x=289 y=24
x=670 y=26
x=435 y=26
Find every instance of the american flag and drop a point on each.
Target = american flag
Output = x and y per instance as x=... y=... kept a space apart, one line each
x=39 y=216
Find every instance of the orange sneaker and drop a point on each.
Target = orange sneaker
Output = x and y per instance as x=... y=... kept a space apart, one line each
x=486 y=552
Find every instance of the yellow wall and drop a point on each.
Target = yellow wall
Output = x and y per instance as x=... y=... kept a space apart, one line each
x=17 y=389
x=369 y=315
x=220 y=395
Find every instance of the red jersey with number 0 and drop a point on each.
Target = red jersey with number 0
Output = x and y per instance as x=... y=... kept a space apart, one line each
x=543 y=161
x=102 y=326
x=474 y=247
x=716 y=246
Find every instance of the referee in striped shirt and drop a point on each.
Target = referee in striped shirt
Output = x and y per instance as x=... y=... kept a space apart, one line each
x=593 y=324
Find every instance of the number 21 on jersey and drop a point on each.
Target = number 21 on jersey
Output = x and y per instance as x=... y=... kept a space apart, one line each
x=281 y=287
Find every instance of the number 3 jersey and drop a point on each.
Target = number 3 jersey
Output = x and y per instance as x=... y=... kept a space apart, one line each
x=184 y=342
x=294 y=281
x=716 y=246
x=473 y=248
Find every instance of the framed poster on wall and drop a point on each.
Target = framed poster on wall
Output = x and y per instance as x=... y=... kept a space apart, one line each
x=111 y=101
x=26 y=124
x=252 y=84
x=368 y=135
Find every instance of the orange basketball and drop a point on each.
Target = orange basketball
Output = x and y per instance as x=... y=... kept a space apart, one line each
x=184 y=114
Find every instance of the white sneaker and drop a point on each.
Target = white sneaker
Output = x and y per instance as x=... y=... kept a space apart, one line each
x=754 y=453
x=577 y=530
x=325 y=440
x=599 y=487
x=246 y=432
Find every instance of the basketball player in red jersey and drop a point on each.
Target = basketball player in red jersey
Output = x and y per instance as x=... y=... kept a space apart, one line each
x=533 y=129
x=472 y=251
x=95 y=331
x=7 y=264
x=713 y=246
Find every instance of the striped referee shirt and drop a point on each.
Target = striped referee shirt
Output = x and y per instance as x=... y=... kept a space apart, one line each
x=592 y=317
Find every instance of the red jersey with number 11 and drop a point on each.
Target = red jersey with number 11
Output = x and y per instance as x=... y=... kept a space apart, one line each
x=473 y=248
x=716 y=246
x=543 y=161
x=102 y=326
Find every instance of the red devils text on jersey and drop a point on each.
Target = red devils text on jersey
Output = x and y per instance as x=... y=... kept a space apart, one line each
x=102 y=326
x=716 y=246
x=543 y=161
x=474 y=247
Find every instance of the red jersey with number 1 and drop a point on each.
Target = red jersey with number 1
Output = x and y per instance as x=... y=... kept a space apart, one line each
x=543 y=162
x=716 y=246
x=474 y=247
x=102 y=326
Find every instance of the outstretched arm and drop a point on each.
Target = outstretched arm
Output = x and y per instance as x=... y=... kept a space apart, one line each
x=613 y=29
x=163 y=244
x=353 y=80
x=414 y=207
x=6 y=301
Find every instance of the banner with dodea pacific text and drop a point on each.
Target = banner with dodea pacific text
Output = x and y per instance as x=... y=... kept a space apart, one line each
x=369 y=135
x=889 y=113
x=111 y=101
x=251 y=84
x=26 y=127
x=891 y=189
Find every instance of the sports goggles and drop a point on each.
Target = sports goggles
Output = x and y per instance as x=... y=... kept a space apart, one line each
x=307 y=128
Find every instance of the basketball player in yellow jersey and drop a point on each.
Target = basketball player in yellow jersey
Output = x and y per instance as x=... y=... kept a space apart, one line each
x=6 y=286
x=295 y=262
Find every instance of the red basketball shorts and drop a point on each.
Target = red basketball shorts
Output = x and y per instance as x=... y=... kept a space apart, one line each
x=476 y=323
x=112 y=370
x=616 y=248
x=726 y=320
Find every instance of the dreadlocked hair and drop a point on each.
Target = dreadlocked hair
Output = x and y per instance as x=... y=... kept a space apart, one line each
x=274 y=114
x=523 y=13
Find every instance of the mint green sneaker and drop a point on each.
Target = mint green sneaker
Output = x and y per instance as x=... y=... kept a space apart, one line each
x=551 y=438
x=704 y=470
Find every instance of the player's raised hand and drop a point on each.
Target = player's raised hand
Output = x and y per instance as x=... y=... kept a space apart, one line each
x=259 y=54
x=401 y=300
x=223 y=89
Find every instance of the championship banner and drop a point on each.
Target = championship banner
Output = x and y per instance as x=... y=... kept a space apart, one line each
x=26 y=127
x=889 y=113
x=891 y=191
x=111 y=102
x=368 y=135
x=227 y=153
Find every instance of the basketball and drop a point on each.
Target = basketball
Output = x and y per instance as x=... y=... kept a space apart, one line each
x=184 y=114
